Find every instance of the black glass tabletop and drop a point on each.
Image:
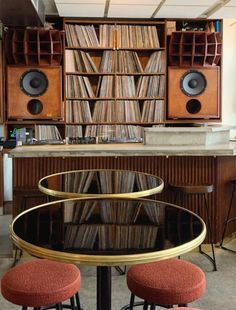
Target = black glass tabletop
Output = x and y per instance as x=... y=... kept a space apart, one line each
x=107 y=231
x=102 y=182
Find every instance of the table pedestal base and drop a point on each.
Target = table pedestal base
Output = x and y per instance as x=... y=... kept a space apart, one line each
x=103 y=288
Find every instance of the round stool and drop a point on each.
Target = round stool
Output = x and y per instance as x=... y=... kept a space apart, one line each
x=41 y=282
x=229 y=219
x=203 y=189
x=166 y=283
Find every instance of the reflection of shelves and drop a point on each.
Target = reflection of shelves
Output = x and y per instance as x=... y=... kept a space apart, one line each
x=34 y=46
x=195 y=48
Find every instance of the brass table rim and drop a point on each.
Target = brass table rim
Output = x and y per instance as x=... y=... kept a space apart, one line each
x=60 y=194
x=105 y=260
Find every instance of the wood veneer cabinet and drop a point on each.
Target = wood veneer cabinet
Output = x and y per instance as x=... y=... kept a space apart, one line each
x=115 y=76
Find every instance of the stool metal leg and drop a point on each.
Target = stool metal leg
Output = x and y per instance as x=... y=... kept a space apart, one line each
x=59 y=306
x=228 y=220
x=17 y=256
x=145 y=306
x=72 y=303
x=213 y=258
x=132 y=304
x=77 y=301
x=120 y=270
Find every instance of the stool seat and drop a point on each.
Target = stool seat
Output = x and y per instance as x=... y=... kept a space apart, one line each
x=193 y=188
x=40 y=282
x=168 y=282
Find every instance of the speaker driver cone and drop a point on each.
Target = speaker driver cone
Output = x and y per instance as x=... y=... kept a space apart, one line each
x=34 y=83
x=193 y=83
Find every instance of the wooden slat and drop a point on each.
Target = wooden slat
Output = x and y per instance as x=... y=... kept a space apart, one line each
x=180 y=169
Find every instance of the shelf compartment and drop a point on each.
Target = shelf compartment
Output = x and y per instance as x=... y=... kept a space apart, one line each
x=38 y=46
x=195 y=48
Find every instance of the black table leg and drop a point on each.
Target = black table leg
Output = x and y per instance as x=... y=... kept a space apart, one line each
x=103 y=288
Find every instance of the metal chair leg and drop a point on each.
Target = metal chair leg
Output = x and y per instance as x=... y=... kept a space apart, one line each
x=228 y=220
x=213 y=258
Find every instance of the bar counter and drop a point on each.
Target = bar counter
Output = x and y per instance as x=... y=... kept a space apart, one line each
x=123 y=149
x=211 y=164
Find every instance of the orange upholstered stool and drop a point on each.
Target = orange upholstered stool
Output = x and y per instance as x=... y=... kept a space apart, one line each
x=41 y=282
x=167 y=283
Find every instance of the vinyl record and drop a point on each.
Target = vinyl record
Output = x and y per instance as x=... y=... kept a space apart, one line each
x=193 y=83
x=34 y=83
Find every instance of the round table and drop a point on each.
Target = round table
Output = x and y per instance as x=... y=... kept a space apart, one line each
x=100 y=182
x=106 y=232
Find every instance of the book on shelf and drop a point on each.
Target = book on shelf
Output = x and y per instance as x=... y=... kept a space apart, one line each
x=105 y=86
x=137 y=36
x=153 y=111
x=47 y=132
x=78 y=111
x=78 y=86
x=115 y=133
x=119 y=36
x=79 y=61
x=116 y=111
x=74 y=131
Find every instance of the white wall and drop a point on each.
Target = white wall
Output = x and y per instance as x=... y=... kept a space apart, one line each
x=7 y=177
x=229 y=74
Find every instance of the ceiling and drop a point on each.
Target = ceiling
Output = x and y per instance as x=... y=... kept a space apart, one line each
x=142 y=8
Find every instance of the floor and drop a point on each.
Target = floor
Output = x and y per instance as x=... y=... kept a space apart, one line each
x=221 y=285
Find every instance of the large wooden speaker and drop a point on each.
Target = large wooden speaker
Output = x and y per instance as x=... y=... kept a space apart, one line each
x=34 y=93
x=193 y=93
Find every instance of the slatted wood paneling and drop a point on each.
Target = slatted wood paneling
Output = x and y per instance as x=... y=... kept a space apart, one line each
x=174 y=169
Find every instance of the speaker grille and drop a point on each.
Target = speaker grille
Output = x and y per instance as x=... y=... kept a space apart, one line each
x=193 y=83
x=34 y=83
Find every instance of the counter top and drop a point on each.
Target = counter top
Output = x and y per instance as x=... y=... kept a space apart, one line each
x=122 y=149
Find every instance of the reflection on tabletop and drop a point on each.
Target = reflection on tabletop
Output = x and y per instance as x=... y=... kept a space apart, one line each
x=72 y=184
x=108 y=226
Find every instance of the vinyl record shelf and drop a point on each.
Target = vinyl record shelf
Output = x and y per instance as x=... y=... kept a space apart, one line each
x=115 y=76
